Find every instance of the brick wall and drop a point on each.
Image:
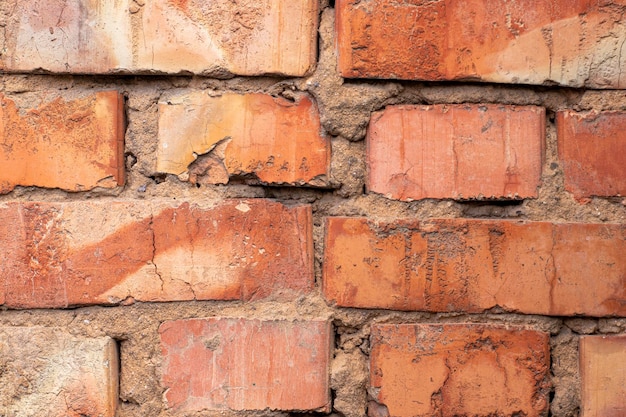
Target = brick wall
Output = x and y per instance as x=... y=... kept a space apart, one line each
x=296 y=208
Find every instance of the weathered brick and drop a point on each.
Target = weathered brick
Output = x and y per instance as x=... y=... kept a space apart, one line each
x=210 y=139
x=603 y=376
x=456 y=151
x=48 y=372
x=239 y=364
x=475 y=265
x=458 y=369
x=74 y=145
x=592 y=150
x=66 y=254
x=171 y=36
x=529 y=42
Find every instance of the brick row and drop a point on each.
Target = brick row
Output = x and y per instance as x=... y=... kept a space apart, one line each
x=68 y=254
x=473 y=265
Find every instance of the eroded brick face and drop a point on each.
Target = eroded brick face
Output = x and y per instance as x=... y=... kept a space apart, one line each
x=592 y=150
x=239 y=364
x=603 y=375
x=49 y=372
x=525 y=42
x=456 y=151
x=211 y=139
x=458 y=369
x=75 y=145
x=475 y=265
x=169 y=36
x=157 y=251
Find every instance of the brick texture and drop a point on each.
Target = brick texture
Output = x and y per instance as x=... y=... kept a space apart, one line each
x=592 y=149
x=157 y=251
x=239 y=364
x=475 y=265
x=458 y=369
x=526 y=42
x=48 y=372
x=269 y=139
x=603 y=375
x=74 y=145
x=171 y=36
x=456 y=151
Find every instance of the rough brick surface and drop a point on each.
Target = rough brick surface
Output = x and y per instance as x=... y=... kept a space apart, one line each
x=240 y=364
x=458 y=369
x=592 y=149
x=528 y=42
x=65 y=254
x=75 y=145
x=171 y=36
x=270 y=139
x=475 y=265
x=48 y=372
x=603 y=376
x=456 y=151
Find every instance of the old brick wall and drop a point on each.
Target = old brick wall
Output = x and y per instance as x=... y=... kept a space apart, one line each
x=283 y=208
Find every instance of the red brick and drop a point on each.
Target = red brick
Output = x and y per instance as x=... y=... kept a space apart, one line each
x=239 y=364
x=456 y=151
x=74 y=145
x=592 y=149
x=528 y=42
x=66 y=254
x=171 y=36
x=603 y=376
x=458 y=369
x=476 y=265
x=270 y=139
x=48 y=372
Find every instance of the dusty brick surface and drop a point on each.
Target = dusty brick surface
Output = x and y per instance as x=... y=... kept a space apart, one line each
x=458 y=369
x=155 y=251
x=603 y=376
x=74 y=145
x=239 y=364
x=49 y=372
x=525 y=42
x=475 y=265
x=456 y=151
x=169 y=36
x=592 y=149
x=211 y=139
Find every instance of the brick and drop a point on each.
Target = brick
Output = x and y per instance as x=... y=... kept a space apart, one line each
x=211 y=139
x=239 y=364
x=458 y=370
x=456 y=151
x=476 y=265
x=592 y=150
x=48 y=372
x=503 y=41
x=603 y=376
x=169 y=36
x=74 y=145
x=68 y=254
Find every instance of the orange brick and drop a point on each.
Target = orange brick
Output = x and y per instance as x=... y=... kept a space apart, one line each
x=74 y=145
x=456 y=151
x=458 y=370
x=603 y=376
x=504 y=41
x=170 y=36
x=66 y=254
x=476 y=265
x=48 y=372
x=239 y=364
x=592 y=149
x=271 y=139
